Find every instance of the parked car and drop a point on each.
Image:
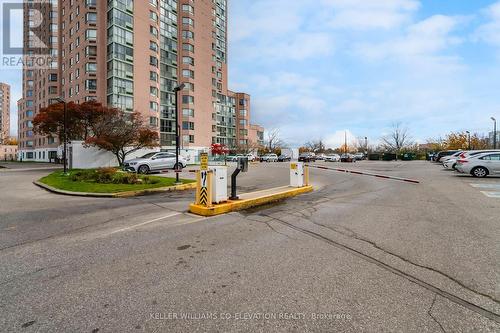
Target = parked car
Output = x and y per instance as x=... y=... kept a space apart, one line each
x=154 y=162
x=251 y=157
x=332 y=158
x=269 y=158
x=320 y=157
x=444 y=153
x=449 y=161
x=347 y=158
x=234 y=158
x=307 y=157
x=284 y=158
x=480 y=165
x=455 y=155
x=359 y=156
x=452 y=162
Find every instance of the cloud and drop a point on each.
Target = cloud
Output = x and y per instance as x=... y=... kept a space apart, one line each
x=422 y=39
x=363 y=15
x=337 y=139
x=490 y=31
x=265 y=18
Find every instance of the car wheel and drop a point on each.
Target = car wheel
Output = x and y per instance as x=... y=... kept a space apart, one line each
x=178 y=166
x=143 y=169
x=479 y=172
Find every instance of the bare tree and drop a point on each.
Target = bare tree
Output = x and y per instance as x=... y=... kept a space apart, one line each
x=398 y=139
x=273 y=140
x=316 y=146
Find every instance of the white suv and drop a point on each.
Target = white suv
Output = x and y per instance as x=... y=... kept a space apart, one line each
x=154 y=162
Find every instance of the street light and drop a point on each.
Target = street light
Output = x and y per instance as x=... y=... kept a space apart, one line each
x=494 y=133
x=177 y=130
x=468 y=136
x=65 y=137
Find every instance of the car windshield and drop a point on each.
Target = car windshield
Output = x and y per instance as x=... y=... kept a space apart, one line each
x=148 y=155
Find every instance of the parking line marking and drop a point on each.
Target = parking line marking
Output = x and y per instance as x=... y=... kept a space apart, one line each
x=145 y=223
x=492 y=186
x=491 y=194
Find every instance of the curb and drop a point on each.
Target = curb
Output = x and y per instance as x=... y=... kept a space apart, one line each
x=183 y=187
x=234 y=206
x=407 y=180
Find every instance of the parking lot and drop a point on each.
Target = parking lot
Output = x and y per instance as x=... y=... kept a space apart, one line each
x=360 y=253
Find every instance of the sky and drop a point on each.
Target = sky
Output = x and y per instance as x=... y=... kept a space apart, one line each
x=316 y=69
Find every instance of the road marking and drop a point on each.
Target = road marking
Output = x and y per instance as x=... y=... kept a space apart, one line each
x=489 y=186
x=491 y=194
x=145 y=223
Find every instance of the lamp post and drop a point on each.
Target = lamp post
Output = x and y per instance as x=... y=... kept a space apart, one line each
x=177 y=130
x=366 y=146
x=65 y=136
x=468 y=139
x=494 y=133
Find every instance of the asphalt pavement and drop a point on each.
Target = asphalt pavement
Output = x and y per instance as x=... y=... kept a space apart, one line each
x=360 y=254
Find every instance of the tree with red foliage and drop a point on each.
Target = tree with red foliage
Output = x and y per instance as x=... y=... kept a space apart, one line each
x=106 y=128
x=121 y=133
x=50 y=121
x=219 y=149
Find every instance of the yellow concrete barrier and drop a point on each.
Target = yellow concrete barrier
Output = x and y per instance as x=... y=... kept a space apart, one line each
x=250 y=200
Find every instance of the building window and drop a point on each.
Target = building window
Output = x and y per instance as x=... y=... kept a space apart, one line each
x=91 y=18
x=188 y=9
x=188 y=112
x=153 y=61
x=188 y=126
x=91 y=67
x=188 y=21
x=188 y=47
x=187 y=34
x=188 y=73
x=188 y=61
x=91 y=34
x=187 y=99
x=91 y=84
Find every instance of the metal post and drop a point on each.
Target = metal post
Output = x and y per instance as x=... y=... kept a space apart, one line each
x=494 y=133
x=233 y=184
x=177 y=130
x=65 y=138
x=176 y=135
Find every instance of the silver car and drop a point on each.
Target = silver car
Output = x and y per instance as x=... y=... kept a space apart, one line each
x=452 y=162
x=269 y=158
x=480 y=165
x=332 y=158
x=154 y=162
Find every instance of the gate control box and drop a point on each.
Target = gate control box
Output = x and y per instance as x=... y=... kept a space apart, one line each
x=296 y=174
x=219 y=184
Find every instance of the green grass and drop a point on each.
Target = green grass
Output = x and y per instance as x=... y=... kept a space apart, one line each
x=62 y=182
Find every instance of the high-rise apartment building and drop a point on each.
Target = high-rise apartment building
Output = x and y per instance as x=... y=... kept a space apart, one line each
x=131 y=54
x=4 y=112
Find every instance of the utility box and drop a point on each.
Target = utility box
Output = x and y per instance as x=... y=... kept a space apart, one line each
x=219 y=184
x=243 y=164
x=297 y=174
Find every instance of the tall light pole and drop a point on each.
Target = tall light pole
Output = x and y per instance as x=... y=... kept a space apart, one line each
x=65 y=135
x=177 y=130
x=468 y=139
x=494 y=133
x=366 y=146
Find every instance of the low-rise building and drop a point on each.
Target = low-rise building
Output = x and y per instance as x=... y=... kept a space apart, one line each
x=8 y=152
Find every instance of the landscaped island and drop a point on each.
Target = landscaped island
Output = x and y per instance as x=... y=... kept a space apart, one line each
x=106 y=180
